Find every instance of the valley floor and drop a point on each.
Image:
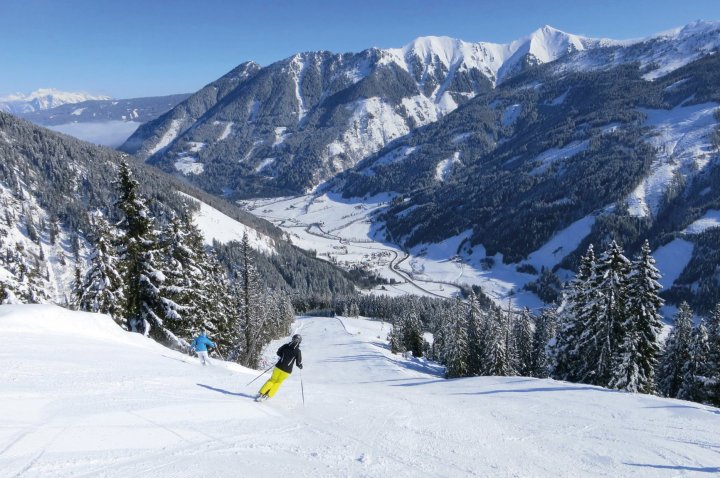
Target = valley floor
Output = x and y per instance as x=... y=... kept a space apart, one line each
x=79 y=397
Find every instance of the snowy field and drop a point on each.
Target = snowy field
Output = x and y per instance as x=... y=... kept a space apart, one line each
x=82 y=398
x=342 y=231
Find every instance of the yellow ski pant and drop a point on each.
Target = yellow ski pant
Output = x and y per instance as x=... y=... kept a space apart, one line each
x=273 y=384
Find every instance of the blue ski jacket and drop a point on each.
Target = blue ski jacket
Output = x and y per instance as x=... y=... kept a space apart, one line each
x=200 y=344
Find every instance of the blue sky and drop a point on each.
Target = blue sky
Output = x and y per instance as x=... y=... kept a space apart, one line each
x=130 y=48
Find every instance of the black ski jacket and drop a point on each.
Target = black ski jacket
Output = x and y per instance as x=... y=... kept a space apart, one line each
x=289 y=354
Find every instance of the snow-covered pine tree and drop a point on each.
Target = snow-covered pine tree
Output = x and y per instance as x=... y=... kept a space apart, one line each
x=606 y=317
x=456 y=344
x=184 y=283
x=6 y=294
x=101 y=288
x=396 y=336
x=636 y=358
x=567 y=363
x=522 y=337
x=412 y=333
x=140 y=265
x=695 y=379
x=280 y=316
x=476 y=324
x=218 y=304
x=713 y=363
x=440 y=336
x=545 y=326
x=676 y=353
x=495 y=361
x=250 y=315
x=25 y=284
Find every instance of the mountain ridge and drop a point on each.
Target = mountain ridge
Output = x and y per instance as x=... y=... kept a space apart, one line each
x=43 y=99
x=289 y=126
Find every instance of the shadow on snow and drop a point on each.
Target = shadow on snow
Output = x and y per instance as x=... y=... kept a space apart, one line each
x=225 y=392
x=703 y=469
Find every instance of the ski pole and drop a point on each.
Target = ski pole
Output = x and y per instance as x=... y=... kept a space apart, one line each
x=302 y=388
x=266 y=371
x=217 y=349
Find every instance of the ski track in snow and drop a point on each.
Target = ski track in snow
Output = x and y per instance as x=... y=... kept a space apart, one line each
x=83 y=398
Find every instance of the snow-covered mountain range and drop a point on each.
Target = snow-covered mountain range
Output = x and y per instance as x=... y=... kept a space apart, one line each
x=317 y=113
x=298 y=122
x=108 y=122
x=504 y=147
x=138 y=110
x=43 y=99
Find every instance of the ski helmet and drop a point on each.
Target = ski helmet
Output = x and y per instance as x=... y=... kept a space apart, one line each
x=297 y=338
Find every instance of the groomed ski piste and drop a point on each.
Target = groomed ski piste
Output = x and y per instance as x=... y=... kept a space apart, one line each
x=82 y=398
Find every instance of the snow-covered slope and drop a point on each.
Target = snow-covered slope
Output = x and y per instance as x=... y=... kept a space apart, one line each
x=216 y=226
x=83 y=398
x=43 y=99
x=50 y=259
x=683 y=139
x=658 y=54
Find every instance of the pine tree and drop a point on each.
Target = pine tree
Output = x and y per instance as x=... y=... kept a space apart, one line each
x=522 y=336
x=495 y=361
x=676 y=353
x=101 y=288
x=25 y=284
x=144 y=306
x=217 y=302
x=184 y=265
x=713 y=363
x=606 y=317
x=636 y=358
x=412 y=333
x=476 y=336
x=396 y=336
x=7 y=296
x=251 y=317
x=544 y=332
x=568 y=364
x=440 y=337
x=695 y=378
x=457 y=350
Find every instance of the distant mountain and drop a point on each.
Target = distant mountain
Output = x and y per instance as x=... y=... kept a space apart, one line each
x=503 y=146
x=556 y=148
x=139 y=110
x=107 y=122
x=43 y=99
x=289 y=126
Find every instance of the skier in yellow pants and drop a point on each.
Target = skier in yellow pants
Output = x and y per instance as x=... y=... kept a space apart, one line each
x=289 y=354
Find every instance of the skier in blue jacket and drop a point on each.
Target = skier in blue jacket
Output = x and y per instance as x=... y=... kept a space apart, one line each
x=200 y=345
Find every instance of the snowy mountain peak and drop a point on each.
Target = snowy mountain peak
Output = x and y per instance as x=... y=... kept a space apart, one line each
x=548 y=43
x=694 y=28
x=43 y=99
x=496 y=61
x=448 y=50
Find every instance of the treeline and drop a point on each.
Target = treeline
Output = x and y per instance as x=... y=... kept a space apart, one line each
x=606 y=332
x=157 y=278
